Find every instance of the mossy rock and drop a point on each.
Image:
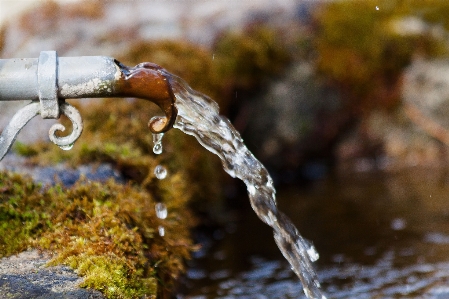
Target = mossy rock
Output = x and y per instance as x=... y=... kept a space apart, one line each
x=27 y=275
x=107 y=232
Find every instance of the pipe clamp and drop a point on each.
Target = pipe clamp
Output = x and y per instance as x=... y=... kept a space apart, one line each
x=49 y=80
x=47 y=84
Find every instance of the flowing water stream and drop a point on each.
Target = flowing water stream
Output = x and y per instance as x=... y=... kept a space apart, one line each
x=199 y=116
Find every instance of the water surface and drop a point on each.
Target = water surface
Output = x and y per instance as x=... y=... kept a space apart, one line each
x=379 y=236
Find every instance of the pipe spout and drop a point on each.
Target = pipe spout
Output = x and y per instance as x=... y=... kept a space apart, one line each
x=148 y=81
x=51 y=79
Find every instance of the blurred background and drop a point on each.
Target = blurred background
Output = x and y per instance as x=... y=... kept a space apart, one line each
x=345 y=102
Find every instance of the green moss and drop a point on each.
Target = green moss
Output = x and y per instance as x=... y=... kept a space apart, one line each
x=16 y=224
x=24 y=150
x=2 y=37
x=248 y=58
x=109 y=274
x=105 y=231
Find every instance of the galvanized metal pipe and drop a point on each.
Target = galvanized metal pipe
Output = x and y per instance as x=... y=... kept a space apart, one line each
x=77 y=77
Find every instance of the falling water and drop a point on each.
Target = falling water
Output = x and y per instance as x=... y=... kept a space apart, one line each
x=157 y=141
x=161 y=213
x=161 y=230
x=160 y=172
x=161 y=210
x=198 y=116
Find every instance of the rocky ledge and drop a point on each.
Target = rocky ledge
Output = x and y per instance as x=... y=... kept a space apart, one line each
x=26 y=276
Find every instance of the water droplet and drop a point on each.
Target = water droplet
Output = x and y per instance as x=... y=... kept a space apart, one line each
x=398 y=224
x=157 y=149
x=157 y=141
x=160 y=172
x=157 y=123
x=377 y=7
x=161 y=230
x=161 y=210
x=66 y=147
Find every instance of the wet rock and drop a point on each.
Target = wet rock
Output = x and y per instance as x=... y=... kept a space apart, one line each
x=60 y=173
x=426 y=86
x=26 y=276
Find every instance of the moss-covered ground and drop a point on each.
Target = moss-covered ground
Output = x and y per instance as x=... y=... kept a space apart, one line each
x=107 y=232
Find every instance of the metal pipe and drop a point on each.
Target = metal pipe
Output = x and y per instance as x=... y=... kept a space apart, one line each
x=50 y=80
x=84 y=77
x=77 y=77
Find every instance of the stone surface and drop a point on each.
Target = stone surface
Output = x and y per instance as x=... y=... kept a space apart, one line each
x=59 y=173
x=26 y=276
x=426 y=86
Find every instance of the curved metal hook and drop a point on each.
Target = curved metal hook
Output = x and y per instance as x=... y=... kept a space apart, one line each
x=24 y=115
x=18 y=121
x=66 y=142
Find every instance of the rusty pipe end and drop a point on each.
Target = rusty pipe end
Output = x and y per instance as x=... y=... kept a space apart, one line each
x=148 y=81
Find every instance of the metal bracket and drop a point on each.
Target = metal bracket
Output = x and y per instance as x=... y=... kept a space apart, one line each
x=47 y=83
x=49 y=106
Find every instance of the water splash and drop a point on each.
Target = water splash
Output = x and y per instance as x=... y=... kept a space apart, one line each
x=199 y=116
x=160 y=172
x=157 y=143
x=311 y=251
x=161 y=210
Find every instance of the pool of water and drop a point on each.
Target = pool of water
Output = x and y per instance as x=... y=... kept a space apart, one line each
x=379 y=235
